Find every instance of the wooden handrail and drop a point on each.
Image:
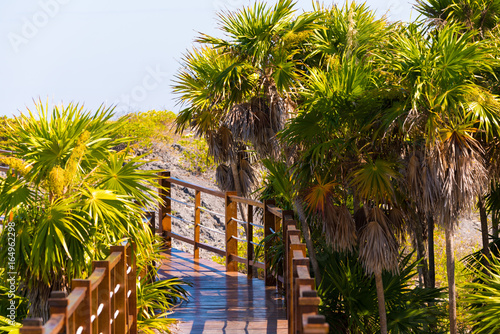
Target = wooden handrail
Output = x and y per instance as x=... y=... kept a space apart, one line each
x=103 y=303
x=295 y=279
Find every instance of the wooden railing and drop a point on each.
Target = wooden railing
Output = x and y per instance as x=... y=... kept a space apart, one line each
x=106 y=302
x=295 y=278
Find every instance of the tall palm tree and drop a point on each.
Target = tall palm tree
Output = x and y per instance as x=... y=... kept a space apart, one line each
x=239 y=90
x=446 y=110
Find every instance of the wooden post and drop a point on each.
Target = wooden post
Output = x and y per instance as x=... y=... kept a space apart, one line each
x=58 y=303
x=268 y=225
x=83 y=313
x=103 y=298
x=166 y=208
x=32 y=326
x=231 y=231
x=197 y=215
x=120 y=293
x=132 y=289
x=249 y=242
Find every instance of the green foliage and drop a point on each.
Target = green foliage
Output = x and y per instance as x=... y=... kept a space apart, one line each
x=349 y=299
x=72 y=196
x=147 y=127
x=5 y=132
x=155 y=302
x=195 y=155
x=7 y=328
x=276 y=251
x=483 y=296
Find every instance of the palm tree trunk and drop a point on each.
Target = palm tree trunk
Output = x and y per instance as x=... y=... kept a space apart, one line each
x=484 y=227
x=430 y=251
x=450 y=268
x=307 y=236
x=381 y=302
x=423 y=269
x=238 y=189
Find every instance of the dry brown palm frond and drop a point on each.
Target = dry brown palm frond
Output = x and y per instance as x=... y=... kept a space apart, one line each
x=397 y=219
x=340 y=229
x=461 y=167
x=220 y=144
x=247 y=176
x=251 y=122
x=378 y=249
x=224 y=178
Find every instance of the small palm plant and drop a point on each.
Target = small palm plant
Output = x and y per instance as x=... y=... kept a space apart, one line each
x=71 y=196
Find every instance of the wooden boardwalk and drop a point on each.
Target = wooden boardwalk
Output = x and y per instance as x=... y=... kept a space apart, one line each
x=223 y=302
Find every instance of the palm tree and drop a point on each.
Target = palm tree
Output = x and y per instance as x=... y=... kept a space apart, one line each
x=71 y=196
x=446 y=110
x=240 y=90
x=478 y=15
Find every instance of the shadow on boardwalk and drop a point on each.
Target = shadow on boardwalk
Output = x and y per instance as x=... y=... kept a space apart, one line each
x=223 y=302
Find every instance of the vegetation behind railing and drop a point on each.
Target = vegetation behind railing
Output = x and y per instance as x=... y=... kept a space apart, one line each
x=105 y=302
x=294 y=278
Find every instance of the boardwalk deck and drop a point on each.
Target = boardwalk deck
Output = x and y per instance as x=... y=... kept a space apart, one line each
x=223 y=302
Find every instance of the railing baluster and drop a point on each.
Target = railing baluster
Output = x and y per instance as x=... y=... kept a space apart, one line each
x=166 y=208
x=120 y=293
x=249 y=242
x=268 y=226
x=103 y=299
x=58 y=303
x=132 y=287
x=83 y=312
x=231 y=231
x=197 y=215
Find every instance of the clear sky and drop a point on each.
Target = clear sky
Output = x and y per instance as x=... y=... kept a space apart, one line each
x=116 y=52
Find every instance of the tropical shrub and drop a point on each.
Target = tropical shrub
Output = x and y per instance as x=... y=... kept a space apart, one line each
x=483 y=295
x=146 y=127
x=71 y=196
x=349 y=298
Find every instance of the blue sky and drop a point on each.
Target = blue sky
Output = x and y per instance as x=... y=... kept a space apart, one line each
x=116 y=52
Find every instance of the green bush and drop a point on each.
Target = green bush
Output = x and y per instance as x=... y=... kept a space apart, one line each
x=146 y=127
x=195 y=155
x=349 y=298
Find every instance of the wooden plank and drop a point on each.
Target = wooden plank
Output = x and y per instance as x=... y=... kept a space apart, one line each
x=54 y=325
x=247 y=201
x=103 y=298
x=96 y=277
x=237 y=259
x=212 y=249
x=4 y=169
x=223 y=302
x=274 y=210
x=83 y=313
x=257 y=264
x=131 y=289
x=180 y=237
x=113 y=259
x=119 y=313
x=205 y=190
x=231 y=232
x=76 y=296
